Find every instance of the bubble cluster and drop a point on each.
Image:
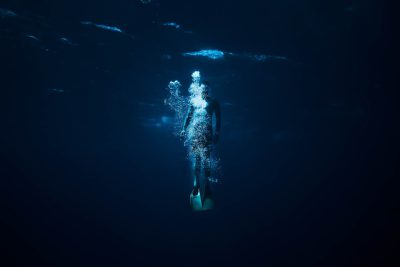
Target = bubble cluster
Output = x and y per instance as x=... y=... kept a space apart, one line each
x=196 y=137
x=177 y=103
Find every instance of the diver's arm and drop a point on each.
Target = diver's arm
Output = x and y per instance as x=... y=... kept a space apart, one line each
x=217 y=111
x=188 y=119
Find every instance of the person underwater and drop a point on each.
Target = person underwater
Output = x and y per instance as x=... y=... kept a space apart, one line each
x=201 y=136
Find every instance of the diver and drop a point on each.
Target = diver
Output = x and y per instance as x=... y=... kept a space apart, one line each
x=201 y=135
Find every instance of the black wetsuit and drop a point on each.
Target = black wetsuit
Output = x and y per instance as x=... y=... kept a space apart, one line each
x=202 y=140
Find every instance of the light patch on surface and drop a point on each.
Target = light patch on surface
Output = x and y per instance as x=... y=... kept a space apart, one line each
x=107 y=28
x=66 y=41
x=172 y=25
x=263 y=58
x=33 y=37
x=103 y=26
x=216 y=54
x=7 y=13
x=208 y=53
x=36 y=42
x=257 y=57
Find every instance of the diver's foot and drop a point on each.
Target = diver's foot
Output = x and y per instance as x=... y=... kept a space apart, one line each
x=207 y=191
x=195 y=200
x=208 y=203
x=195 y=191
x=208 y=200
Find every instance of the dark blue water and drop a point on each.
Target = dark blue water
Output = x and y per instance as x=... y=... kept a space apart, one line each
x=93 y=176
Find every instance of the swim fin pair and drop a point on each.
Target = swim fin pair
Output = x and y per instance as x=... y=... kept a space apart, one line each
x=196 y=201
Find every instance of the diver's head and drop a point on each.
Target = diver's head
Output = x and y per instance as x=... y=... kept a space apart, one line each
x=196 y=76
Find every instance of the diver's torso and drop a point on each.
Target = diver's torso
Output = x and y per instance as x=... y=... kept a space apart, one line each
x=202 y=121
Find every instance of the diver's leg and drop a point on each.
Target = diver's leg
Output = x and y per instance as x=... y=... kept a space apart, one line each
x=207 y=164
x=196 y=174
x=208 y=202
x=195 y=196
x=207 y=170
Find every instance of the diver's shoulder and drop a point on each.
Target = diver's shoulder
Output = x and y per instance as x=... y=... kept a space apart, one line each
x=213 y=101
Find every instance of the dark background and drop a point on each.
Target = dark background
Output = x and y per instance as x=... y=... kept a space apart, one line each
x=309 y=147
